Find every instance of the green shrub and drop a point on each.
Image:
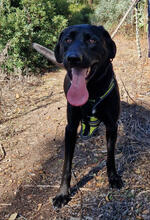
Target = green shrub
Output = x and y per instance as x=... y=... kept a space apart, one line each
x=31 y=21
x=141 y=14
x=109 y=12
x=80 y=14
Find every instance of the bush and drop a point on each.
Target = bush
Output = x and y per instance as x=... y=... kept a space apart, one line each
x=80 y=14
x=30 y=21
x=109 y=12
x=141 y=13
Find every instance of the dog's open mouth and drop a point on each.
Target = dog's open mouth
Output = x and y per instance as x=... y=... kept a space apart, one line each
x=78 y=94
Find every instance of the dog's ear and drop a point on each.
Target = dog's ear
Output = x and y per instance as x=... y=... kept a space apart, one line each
x=109 y=43
x=58 y=51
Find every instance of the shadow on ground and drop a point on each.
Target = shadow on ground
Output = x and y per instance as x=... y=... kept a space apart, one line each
x=33 y=198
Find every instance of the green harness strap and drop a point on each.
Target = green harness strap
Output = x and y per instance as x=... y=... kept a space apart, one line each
x=89 y=126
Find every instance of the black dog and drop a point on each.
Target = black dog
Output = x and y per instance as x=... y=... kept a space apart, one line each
x=91 y=90
x=92 y=93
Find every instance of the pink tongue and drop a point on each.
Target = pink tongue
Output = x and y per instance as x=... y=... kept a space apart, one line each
x=78 y=94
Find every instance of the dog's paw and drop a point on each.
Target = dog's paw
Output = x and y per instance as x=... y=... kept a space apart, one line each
x=60 y=201
x=115 y=181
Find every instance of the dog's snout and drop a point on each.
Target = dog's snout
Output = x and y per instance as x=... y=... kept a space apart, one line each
x=74 y=59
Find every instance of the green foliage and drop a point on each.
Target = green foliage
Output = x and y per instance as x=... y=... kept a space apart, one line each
x=141 y=14
x=80 y=14
x=62 y=8
x=31 y=21
x=83 y=1
x=109 y=12
x=23 y=22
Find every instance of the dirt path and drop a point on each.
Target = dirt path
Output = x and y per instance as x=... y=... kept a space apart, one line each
x=32 y=126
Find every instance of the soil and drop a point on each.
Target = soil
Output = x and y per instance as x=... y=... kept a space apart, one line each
x=32 y=123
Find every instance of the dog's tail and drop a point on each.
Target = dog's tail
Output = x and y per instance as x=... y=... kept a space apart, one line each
x=49 y=54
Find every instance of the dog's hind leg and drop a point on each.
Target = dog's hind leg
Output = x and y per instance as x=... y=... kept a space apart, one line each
x=63 y=195
x=111 y=136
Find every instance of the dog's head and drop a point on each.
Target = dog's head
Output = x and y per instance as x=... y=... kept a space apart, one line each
x=83 y=48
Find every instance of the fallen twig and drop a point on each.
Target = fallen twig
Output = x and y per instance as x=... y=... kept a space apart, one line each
x=5 y=204
x=128 y=92
x=3 y=152
x=41 y=186
x=141 y=140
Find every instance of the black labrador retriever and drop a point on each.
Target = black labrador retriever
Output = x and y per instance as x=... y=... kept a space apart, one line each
x=92 y=92
x=92 y=95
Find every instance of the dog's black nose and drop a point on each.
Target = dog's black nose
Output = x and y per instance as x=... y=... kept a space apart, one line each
x=74 y=59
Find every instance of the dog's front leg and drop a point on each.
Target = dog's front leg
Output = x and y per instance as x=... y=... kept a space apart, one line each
x=63 y=195
x=113 y=177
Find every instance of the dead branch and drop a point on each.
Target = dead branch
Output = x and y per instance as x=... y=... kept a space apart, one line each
x=3 y=152
x=4 y=52
x=127 y=91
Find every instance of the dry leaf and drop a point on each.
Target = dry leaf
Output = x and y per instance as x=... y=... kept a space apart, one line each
x=13 y=216
x=99 y=185
x=145 y=212
x=137 y=171
x=108 y=197
x=39 y=207
x=17 y=96
x=18 y=110
x=139 y=217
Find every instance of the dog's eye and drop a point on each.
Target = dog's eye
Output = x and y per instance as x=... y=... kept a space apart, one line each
x=92 y=41
x=68 y=40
